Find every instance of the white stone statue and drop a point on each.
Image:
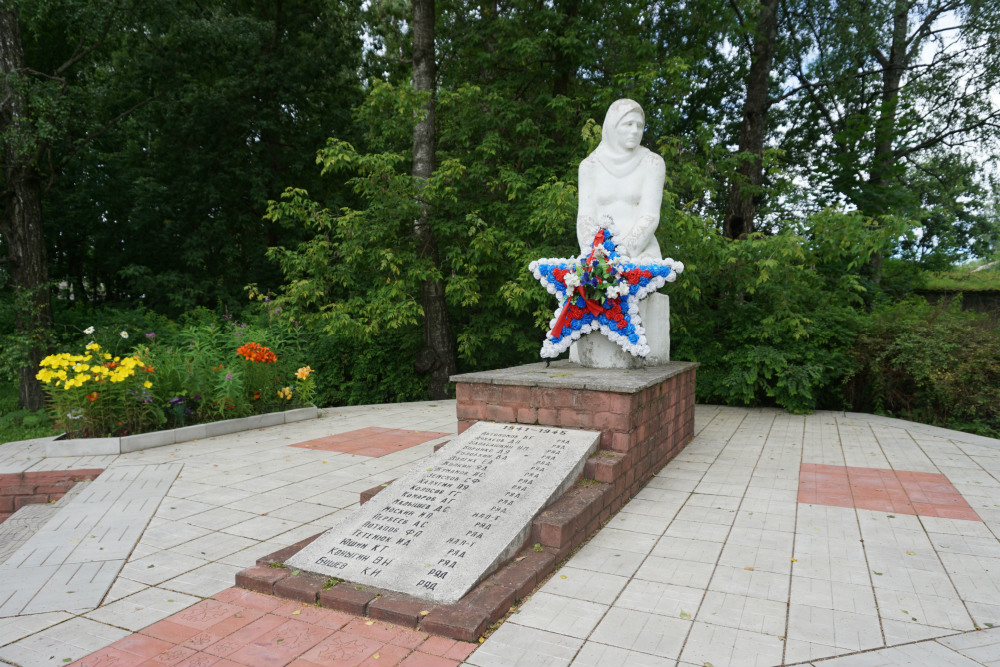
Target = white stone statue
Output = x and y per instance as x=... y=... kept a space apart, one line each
x=623 y=181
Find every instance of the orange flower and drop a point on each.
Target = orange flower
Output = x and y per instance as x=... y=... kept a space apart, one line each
x=256 y=353
x=303 y=372
x=92 y=396
x=150 y=369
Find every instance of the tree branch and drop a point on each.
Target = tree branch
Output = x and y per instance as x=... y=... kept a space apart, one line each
x=95 y=135
x=79 y=53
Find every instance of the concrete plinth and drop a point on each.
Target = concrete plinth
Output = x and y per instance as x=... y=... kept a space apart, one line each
x=595 y=350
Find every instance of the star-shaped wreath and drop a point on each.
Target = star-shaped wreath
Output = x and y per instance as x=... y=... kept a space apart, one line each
x=600 y=291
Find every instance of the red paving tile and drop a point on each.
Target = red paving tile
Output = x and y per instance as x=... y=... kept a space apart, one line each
x=882 y=490
x=240 y=628
x=373 y=441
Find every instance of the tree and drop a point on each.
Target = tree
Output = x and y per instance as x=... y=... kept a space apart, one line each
x=892 y=93
x=248 y=93
x=437 y=358
x=21 y=214
x=745 y=186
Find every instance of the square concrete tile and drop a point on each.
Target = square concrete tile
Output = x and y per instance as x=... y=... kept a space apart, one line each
x=642 y=632
x=561 y=615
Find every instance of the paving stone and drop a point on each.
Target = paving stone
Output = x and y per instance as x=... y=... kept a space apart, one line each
x=982 y=646
x=643 y=632
x=926 y=654
x=581 y=584
x=561 y=615
x=519 y=646
x=725 y=647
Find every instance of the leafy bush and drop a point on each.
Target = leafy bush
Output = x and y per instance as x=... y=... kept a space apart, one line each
x=935 y=364
x=771 y=318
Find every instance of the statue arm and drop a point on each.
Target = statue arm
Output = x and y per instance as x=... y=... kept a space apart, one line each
x=648 y=215
x=586 y=216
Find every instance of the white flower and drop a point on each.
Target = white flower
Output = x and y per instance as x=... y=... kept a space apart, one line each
x=572 y=280
x=88 y=330
x=679 y=267
x=124 y=334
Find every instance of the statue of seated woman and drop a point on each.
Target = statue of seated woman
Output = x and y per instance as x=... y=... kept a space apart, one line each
x=623 y=181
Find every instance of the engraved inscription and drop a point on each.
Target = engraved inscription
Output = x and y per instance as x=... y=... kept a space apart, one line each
x=440 y=528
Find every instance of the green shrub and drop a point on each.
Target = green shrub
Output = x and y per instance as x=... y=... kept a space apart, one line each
x=771 y=318
x=935 y=364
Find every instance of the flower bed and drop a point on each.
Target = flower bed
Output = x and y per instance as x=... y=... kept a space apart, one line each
x=205 y=375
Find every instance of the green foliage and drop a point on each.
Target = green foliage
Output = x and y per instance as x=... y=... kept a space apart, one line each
x=772 y=318
x=934 y=364
x=201 y=371
x=17 y=424
x=964 y=278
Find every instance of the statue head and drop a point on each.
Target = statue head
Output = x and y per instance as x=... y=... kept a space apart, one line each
x=623 y=126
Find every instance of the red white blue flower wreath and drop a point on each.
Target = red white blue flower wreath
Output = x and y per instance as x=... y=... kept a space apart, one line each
x=600 y=291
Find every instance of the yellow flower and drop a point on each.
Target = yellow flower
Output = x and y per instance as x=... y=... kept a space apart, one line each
x=285 y=393
x=93 y=346
x=147 y=384
x=303 y=372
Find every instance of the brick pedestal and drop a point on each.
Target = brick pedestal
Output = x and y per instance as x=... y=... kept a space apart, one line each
x=645 y=416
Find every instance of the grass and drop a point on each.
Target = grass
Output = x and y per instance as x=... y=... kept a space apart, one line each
x=964 y=278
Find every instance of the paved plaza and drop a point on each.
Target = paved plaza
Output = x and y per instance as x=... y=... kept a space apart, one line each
x=838 y=540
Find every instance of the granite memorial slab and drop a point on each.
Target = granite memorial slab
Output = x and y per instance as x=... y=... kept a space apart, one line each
x=448 y=523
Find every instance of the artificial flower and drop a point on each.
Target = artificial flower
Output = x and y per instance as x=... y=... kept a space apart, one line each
x=600 y=291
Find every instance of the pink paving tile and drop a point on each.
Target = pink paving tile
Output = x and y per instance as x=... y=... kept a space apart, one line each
x=169 y=631
x=199 y=660
x=281 y=645
x=373 y=441
x=243 y=629
x=249 y=599
x=386 y=633
x=342 y=649
x=883 y=490
x=142 y=646
x=171 y=657
x=325 y=618
x=418 y=659
x=234 y=642
x=438 y=646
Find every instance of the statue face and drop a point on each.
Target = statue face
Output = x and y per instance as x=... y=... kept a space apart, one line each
x=629 y=130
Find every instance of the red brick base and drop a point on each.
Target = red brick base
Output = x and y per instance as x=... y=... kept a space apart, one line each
x=642 y=428
x=48 y=486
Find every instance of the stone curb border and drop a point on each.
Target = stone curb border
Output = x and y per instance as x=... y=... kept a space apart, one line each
x=555 y=532
x=140 y=441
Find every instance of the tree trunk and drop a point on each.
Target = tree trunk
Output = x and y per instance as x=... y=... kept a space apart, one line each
x=437 y=358
x=883 y=161
x=21 y=214
x=745 y=186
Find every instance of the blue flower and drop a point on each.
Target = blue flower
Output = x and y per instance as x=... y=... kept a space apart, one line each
x=633 y=338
